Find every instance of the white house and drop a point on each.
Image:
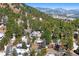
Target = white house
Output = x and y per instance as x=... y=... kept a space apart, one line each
x=33 y=18
x=20 y=51
x=26 y=13
x=24 y=39
x=2 y=25
x=40 y=19
x=19 y=45
x=39 y=40
x=1 y=35
x=76 y=35
x=28 y=45
x=8 y=50
x=75 y=46
x=75 y=32
x=13 y=38
x=36 y=33
x=39 y=43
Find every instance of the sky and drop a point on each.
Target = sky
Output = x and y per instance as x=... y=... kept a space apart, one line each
x=55 y=5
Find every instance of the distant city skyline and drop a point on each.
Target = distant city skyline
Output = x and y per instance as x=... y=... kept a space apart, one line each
x=55 y=5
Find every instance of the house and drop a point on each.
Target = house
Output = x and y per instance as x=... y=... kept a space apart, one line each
x=21 y=51
x=24 y=39
x=33 y=18
x=3 y=22
x=40 y=19
x=2 y=28
x=1 y=35
x=75 y=46
x=40 y=43
x=2 y=31
x=36 y=33
x=76 y=35
x=13 y=38
x=4 y=19
x=19 y=45
x=26 y=13
x=58 y=42
x=19 y=21
x=8 y=51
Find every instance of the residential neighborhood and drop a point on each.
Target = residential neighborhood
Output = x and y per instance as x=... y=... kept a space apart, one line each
x=26 y=31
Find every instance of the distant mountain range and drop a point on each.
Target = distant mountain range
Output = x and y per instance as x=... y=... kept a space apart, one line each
x=74 y=13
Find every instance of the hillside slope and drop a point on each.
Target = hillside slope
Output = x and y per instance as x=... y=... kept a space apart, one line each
x=19 y=17
x=14 y=17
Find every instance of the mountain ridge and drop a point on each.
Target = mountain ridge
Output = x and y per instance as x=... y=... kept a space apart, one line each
x=60 y=11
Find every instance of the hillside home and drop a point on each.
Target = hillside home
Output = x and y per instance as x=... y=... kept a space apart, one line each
x=3 y=19
x=13 y=39
x=36 y=33
x=24 y=39
x=76 y=35
x=1 y=35
x=40 y=19
x=40 y=43
x=2 y=31
x=26 y=13
x=8 y=51
x=33 y=18
x=21 y=51
x=75 y=46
